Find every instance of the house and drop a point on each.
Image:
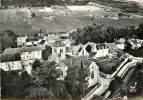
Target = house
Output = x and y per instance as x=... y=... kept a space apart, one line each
x=59 y=51
x=11 y=65
x=30 y=53
x=93 y=78
x=21 y=41
x=84 y=50
x=17 y=65
x=120 y=46
x=113 y=49
x=120 y=43
x=32 y=41
x=136 y=43
x=99 y=50
x=26 y=53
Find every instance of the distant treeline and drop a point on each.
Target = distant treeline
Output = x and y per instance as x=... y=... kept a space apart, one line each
x=8 y=39
x=128 y=7
x=35 y=3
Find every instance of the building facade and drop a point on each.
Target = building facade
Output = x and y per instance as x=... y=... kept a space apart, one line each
x=59 y=52
x=21 y=41
x=100 y=50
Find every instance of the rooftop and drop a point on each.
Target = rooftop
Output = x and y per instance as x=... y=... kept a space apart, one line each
x=22 y=49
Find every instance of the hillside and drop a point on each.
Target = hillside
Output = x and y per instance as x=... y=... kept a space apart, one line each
x=129 y=6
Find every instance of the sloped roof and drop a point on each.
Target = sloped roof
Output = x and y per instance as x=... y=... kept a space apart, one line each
x=92 y=54
x=22 y=49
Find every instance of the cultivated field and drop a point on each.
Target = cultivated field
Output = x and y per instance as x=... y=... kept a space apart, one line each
x=15 y=20
x=60 y=20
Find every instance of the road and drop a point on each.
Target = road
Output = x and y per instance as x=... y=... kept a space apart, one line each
x=98 y=90
x=120 y=72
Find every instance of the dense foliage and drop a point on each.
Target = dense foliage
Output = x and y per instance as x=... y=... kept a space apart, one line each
x=100 y=33
x=42 y=83
x=76 y=82
x=21 y=3
x=122 y=86
x=8 y=39
x=135 y=52
x=46 y=52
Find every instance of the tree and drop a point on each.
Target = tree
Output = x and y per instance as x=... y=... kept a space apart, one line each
x=3 y=82
x=14 y=85
x=46 y=52
x=33 y=15
x=46 y=75
x=8 y=39
x=40 y=93
x=101 y=33
x=76 y=81
x=36 y=64
x=128 y=46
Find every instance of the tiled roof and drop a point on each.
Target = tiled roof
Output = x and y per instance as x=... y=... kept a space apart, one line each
x=22 y=49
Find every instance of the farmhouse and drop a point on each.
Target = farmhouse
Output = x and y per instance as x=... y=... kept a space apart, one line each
x=26 y=53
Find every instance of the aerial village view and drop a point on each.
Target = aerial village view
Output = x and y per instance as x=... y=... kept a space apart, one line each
x=71 y=49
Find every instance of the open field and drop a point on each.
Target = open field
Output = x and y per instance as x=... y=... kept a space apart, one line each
x=59 y=20
x=15 y=20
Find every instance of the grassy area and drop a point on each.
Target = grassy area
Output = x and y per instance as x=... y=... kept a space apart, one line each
x=15 y=20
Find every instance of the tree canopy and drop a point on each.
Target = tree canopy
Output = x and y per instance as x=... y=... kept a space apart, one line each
x=101 y=33
x=46 y=52
x=76 y=82
x=8 y=39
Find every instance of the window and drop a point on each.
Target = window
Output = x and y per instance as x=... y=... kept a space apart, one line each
x=92 y=75
x=59 y=55
x=61 y=50
x=30 y=52
x=67 y=49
